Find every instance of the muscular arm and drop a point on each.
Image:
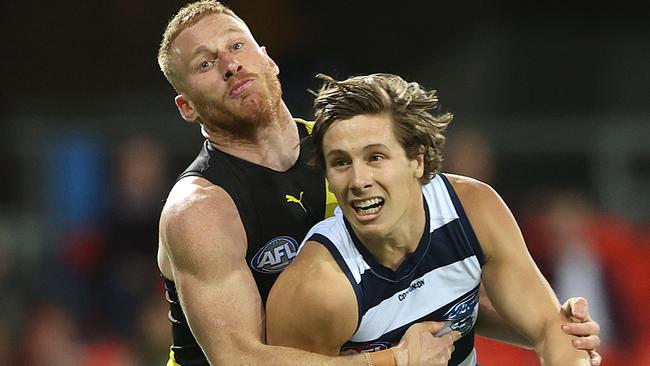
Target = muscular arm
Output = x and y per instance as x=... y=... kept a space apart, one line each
x=203 y=249
x=514 y=284
x=312 y=305
x=492 y=325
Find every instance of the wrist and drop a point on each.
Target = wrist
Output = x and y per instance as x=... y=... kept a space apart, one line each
x=381 y=358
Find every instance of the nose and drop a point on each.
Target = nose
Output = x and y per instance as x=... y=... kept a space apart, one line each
x=361 y=178
x=230 y=65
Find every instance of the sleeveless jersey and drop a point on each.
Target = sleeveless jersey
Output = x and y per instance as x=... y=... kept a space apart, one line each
x=439 y=281
x=276 y=209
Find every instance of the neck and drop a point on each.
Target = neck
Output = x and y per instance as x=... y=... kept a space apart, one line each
x=274 y=144
x=391 y=249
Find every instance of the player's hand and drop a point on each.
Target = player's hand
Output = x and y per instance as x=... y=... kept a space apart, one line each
x=582 y=326
x=419 y=346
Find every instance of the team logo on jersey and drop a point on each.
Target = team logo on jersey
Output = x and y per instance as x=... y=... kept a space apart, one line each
x=275 y=255
x=463 y=308
x=368 y=347
x=462 y=315
x=293 y=199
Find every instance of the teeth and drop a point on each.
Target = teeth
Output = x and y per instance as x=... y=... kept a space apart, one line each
x=364 y=204
x=369 y=211
x=369 y=206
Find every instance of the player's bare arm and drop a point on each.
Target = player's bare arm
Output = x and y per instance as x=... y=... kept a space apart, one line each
x=490 y=324
x=312 y=306
x=515 y=286
x=204 y=240
x=203 y=250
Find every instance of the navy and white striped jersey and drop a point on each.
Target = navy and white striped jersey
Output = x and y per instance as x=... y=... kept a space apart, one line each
x=438 y=281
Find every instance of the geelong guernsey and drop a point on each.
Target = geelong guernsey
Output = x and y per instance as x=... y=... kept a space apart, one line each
x=438 y=281
x=276 y=209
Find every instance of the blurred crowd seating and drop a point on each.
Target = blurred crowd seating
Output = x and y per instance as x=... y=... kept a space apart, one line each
x=93 y=297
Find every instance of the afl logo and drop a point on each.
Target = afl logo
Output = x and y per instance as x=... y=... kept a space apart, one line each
x=275 y=255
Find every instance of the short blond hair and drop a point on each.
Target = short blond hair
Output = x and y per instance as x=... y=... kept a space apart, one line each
x=186 y=17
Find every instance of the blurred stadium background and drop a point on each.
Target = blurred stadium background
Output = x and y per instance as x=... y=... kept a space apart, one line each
x=551 y=106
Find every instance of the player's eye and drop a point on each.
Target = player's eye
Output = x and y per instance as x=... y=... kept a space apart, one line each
x=205 y=65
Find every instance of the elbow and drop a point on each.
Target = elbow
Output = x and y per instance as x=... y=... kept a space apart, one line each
x=233 y=349
x=546 y=331
x=249 y=355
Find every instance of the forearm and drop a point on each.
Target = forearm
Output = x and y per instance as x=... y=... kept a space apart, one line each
x=236 y=348
x=232 y=333
x=267 y=355
x=245 y=346
x=536 y=324
x=553 y=346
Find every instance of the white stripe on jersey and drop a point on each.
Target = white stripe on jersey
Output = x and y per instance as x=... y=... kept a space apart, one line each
x=441 y=207
x=441 y=212
x=440 y=285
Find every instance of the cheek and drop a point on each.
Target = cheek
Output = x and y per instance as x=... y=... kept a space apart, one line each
x=400 y=180
x=336 y=182
x=208 y=82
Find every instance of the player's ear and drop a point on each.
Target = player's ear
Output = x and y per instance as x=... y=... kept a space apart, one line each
x=419 y=159
x=185 y=108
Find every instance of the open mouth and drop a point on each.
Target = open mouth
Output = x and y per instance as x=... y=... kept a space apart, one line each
x=369 y=206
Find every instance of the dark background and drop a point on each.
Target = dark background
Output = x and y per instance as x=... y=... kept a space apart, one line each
x=548 y=97
x=565 y=73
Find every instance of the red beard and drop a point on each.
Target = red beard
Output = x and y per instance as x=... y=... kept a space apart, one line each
x=241 y=116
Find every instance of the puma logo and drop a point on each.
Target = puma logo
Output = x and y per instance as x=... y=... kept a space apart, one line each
x=293 y=199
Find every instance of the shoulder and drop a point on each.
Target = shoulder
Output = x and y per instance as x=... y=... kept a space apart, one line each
x=195 y=199
x=312 y=304
x=196 y=215
x=471 y=190
x=480 y=201
x=315 y=278
x=488 y=214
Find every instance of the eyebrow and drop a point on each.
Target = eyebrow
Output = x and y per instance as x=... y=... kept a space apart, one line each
x=203 y=48
x=374 y=146
x=335 y=152
x=365 y=148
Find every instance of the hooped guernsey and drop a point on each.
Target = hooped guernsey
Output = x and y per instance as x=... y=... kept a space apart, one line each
x=439 y=281
x=276 y=209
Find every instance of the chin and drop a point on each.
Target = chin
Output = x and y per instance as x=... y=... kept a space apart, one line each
x=259 y=107
x=368 y=230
